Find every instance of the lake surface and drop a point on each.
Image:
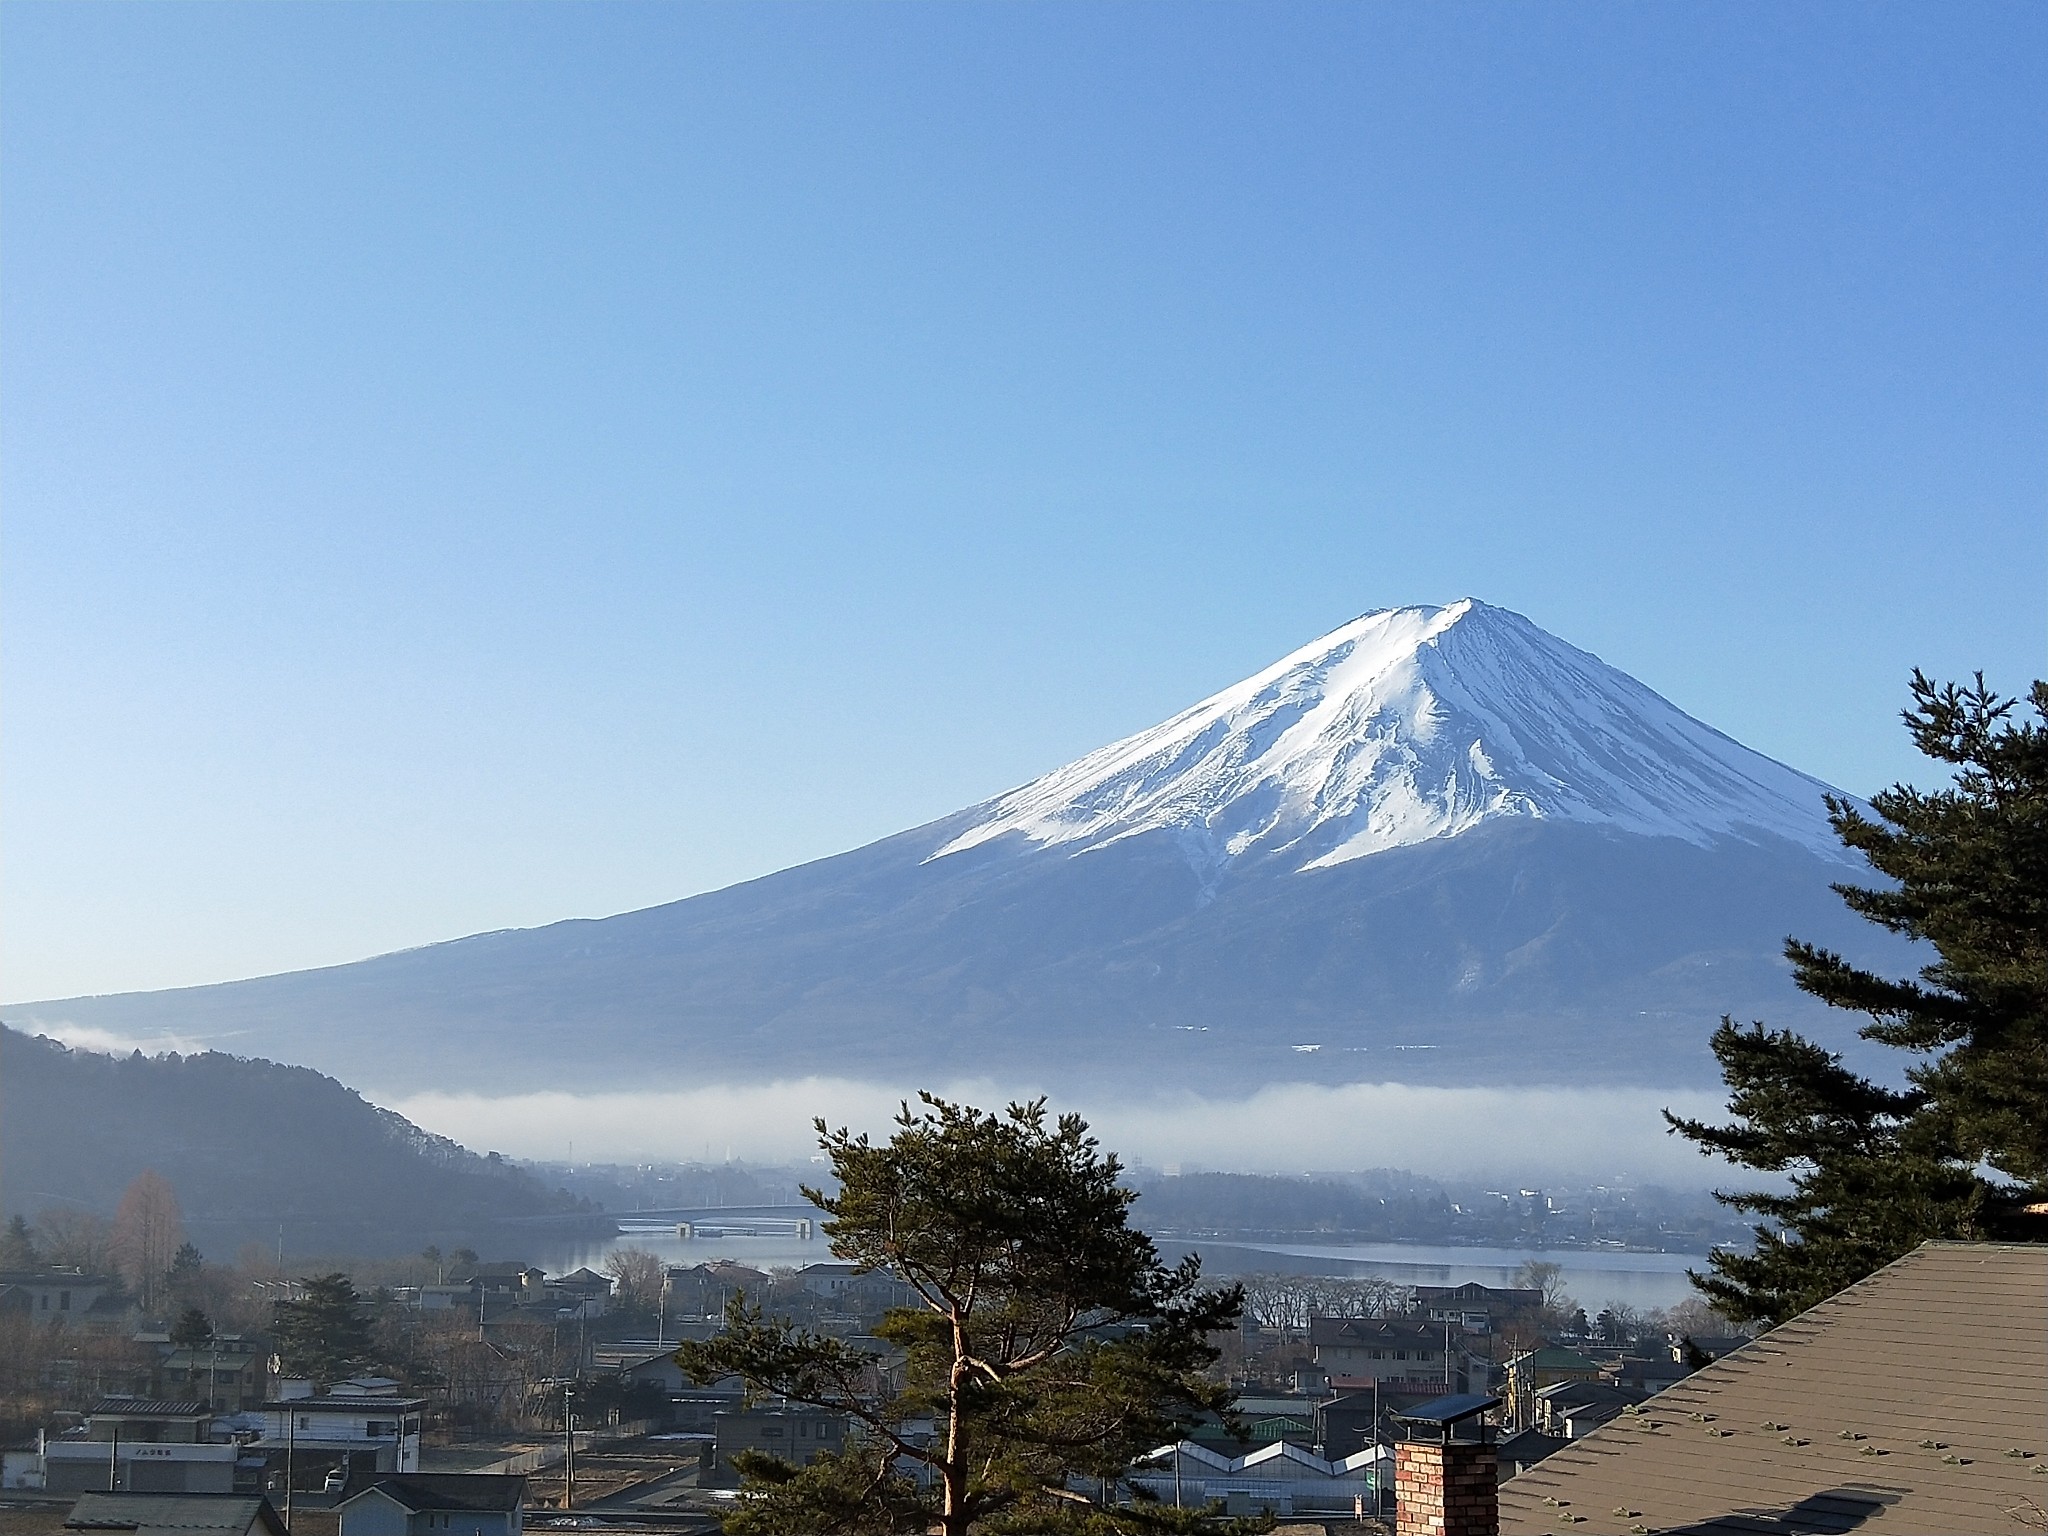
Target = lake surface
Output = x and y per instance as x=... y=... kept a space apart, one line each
x=1595 y=1276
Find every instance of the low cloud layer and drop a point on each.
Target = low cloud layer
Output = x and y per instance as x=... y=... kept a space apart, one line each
x=1522 y=1133
x=107 y=1042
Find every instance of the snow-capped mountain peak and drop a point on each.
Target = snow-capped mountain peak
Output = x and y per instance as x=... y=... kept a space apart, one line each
x=1404 y=725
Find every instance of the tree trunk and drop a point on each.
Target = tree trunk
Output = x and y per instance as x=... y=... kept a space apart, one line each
x=953 y=1514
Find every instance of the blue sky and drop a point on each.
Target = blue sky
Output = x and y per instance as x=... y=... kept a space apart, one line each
x=471 y=465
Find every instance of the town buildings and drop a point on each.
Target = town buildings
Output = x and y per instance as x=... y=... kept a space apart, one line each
x=434 y=1504
x=360 y=1426
x=141 y=1445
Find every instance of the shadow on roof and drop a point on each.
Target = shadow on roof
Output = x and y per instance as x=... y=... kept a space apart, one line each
x=1818 y=1514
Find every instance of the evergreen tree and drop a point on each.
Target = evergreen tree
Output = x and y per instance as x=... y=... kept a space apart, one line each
x=18 y=1246
x=324 y=1335
x=192 y=1330
x=1048 y=1339
x=1875 y=1171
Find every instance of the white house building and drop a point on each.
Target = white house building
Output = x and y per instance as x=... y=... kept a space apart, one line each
x=364 y=1425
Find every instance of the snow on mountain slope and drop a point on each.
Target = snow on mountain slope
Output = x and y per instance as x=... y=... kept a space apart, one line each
x=1409 y=724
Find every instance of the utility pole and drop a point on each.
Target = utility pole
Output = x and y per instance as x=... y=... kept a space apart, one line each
x=291 y=1424
x=114 y=1461
x=569 y=1446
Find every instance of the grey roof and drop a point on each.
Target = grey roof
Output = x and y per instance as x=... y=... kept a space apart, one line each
x=1378 y=1330
x=150 y=1407
x=344 y=1402
x=419 y=1491
x=1566 y=1395
x=150 y=1513
x=1526 y=1447
x=1914 y=1397
x=1472 y=1290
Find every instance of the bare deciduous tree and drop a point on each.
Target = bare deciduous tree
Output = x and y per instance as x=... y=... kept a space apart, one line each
x=639 y=1274
x=1284 y=1303
x=1547 y=1276
x=148 y=1227
x=74 y=1239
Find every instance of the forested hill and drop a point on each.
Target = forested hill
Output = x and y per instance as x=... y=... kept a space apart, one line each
x=247 y=1145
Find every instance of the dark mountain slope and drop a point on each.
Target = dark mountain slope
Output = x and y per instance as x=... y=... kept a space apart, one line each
x=248 y=1145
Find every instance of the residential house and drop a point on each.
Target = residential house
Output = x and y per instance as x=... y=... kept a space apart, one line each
x=1477 y=1308
x=695 y=1410
x=795 y=1434
x=231 y=1374
x=1397 y=1352
x=1912 y=1401
x=1343 y=1425
x=141 y=1445
x=1648 y=1371
x=580 y=1293
x=1569 y=1409
x=1518 y=1452
x=175 y=1514
x=1545 y=1366
x=433 y=1503
x=702 y=1290
x=655 y=1367
x=363 y=1426
x=851 y=1286
x=68 y=1296
x=829 y=1279
x=520 y=1282
x=1697 y=1349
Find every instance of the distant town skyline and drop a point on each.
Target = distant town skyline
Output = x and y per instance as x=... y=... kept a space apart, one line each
x=471 y=467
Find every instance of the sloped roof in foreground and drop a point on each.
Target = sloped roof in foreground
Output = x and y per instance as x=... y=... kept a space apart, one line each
x=1914 y=1401
x=174 y=1514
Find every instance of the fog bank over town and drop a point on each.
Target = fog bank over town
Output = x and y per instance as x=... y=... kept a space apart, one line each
x=1515 y=1133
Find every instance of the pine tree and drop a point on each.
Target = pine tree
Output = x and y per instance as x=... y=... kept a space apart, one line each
x=324 y=1335
x=1048 y=1341
x=1875 y=1171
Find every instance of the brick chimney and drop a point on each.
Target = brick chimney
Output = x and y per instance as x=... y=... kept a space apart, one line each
x=1446 y=1470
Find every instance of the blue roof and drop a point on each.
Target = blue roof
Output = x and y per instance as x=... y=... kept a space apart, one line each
x=1449 y=1410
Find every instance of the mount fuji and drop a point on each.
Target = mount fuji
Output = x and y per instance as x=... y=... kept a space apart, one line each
x=1436 y=845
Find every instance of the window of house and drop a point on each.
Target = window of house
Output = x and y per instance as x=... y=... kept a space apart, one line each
x=63 y=1301
x=1400 y=1354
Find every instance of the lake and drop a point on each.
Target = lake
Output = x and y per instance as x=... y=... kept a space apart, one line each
x=1595 y=1276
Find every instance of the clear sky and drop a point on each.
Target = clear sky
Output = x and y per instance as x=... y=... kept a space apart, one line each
x=471 y=465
